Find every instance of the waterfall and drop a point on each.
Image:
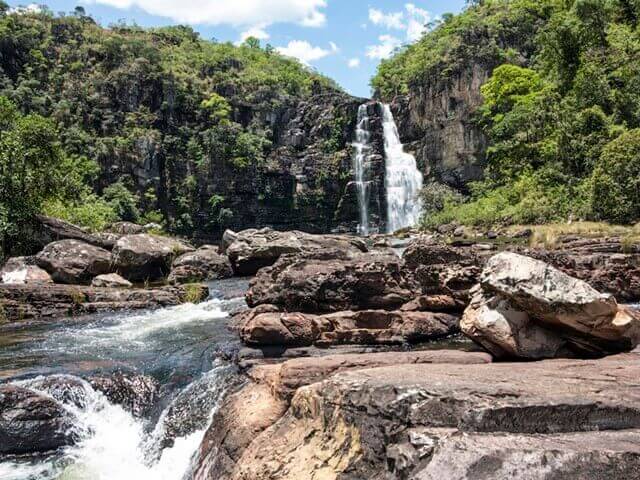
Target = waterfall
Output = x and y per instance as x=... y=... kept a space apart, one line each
x=403 y=180
x=360 y=166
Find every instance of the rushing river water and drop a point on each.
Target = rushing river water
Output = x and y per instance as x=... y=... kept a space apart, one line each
x=183 y=348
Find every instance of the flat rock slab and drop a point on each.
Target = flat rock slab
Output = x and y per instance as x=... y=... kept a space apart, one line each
x=26 y=302
x=487 y=421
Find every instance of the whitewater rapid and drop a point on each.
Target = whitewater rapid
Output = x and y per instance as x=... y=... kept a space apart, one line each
x=170 y=344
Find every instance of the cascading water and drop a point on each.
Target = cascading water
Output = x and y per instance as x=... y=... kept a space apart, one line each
x=403 y=180
x=179 y=347
x=360 y=166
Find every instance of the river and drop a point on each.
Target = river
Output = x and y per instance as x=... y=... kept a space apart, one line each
x=185 y=349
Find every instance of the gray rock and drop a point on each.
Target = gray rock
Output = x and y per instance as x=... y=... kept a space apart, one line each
x=332 y=281
x=147 y=257
x=32 y=423
x=528 y=309
x=20 y=270
x=112 y=280
x=135 y=393
x=252 y=250
x=202 y=265
x=74 y=262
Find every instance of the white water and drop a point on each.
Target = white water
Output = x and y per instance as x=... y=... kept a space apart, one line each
x=113 y=444
x=403 y=180
x=361 y=166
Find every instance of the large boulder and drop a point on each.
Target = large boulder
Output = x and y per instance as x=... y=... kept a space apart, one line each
x=200 y=266
x=264 y=327
x=145 y=257
x=251 y=250
x=74 y=262
x=332 y=281
x=550 y=419
x=438 y=268
x=525 y=308
x=247 y=414
x=31 y=422
x=51 y=230
x=21 y=270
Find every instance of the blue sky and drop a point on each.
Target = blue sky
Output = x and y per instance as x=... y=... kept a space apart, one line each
x=344 y=39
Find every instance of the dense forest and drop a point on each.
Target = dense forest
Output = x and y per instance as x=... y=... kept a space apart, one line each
x=92 y=117
x=561 y=110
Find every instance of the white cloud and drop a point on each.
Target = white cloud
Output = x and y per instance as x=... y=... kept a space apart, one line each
x=389 y=20
x=417 y=22
x=305 y=52
x=412 y=20
x=257 y=31
x=354 y=63
x=31 y=8
x=385 y=49
x=231 y=12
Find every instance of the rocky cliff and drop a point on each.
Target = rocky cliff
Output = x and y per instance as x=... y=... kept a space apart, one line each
x=435 y=121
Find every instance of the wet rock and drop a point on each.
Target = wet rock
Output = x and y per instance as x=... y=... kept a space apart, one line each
x=32 y=423
x=25 y=302
x=526 y=308
x=21 y=270
x=202 y=265
x=366 y=327
x=135 y=393
x=146 y=257
x=112 y=280
x=73 y=261
x=331 y=281
x=252 y=250
x=65 y=389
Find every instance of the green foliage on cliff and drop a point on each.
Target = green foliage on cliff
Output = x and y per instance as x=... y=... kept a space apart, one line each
x=561 y=109
x=159 y=112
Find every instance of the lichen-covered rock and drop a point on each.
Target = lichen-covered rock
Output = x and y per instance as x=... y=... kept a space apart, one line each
x=74 y=262
x=252 y=250
x=146 y=257
x=31 y=422
x=135 y=393
x=202 y=265
x=111 y=280
x=21 y=270
x=525 y=308
x=332 y=281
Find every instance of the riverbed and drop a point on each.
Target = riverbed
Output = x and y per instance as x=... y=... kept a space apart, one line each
x=186 y=349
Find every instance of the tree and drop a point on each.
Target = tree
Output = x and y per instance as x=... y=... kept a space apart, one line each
x=31 y=162
x=616 y=180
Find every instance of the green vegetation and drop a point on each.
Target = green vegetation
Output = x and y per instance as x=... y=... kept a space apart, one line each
x=561 y=108
x=101 y=124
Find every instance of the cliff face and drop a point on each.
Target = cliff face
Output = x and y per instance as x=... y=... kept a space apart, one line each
x=305 y=183
x=435 y=121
